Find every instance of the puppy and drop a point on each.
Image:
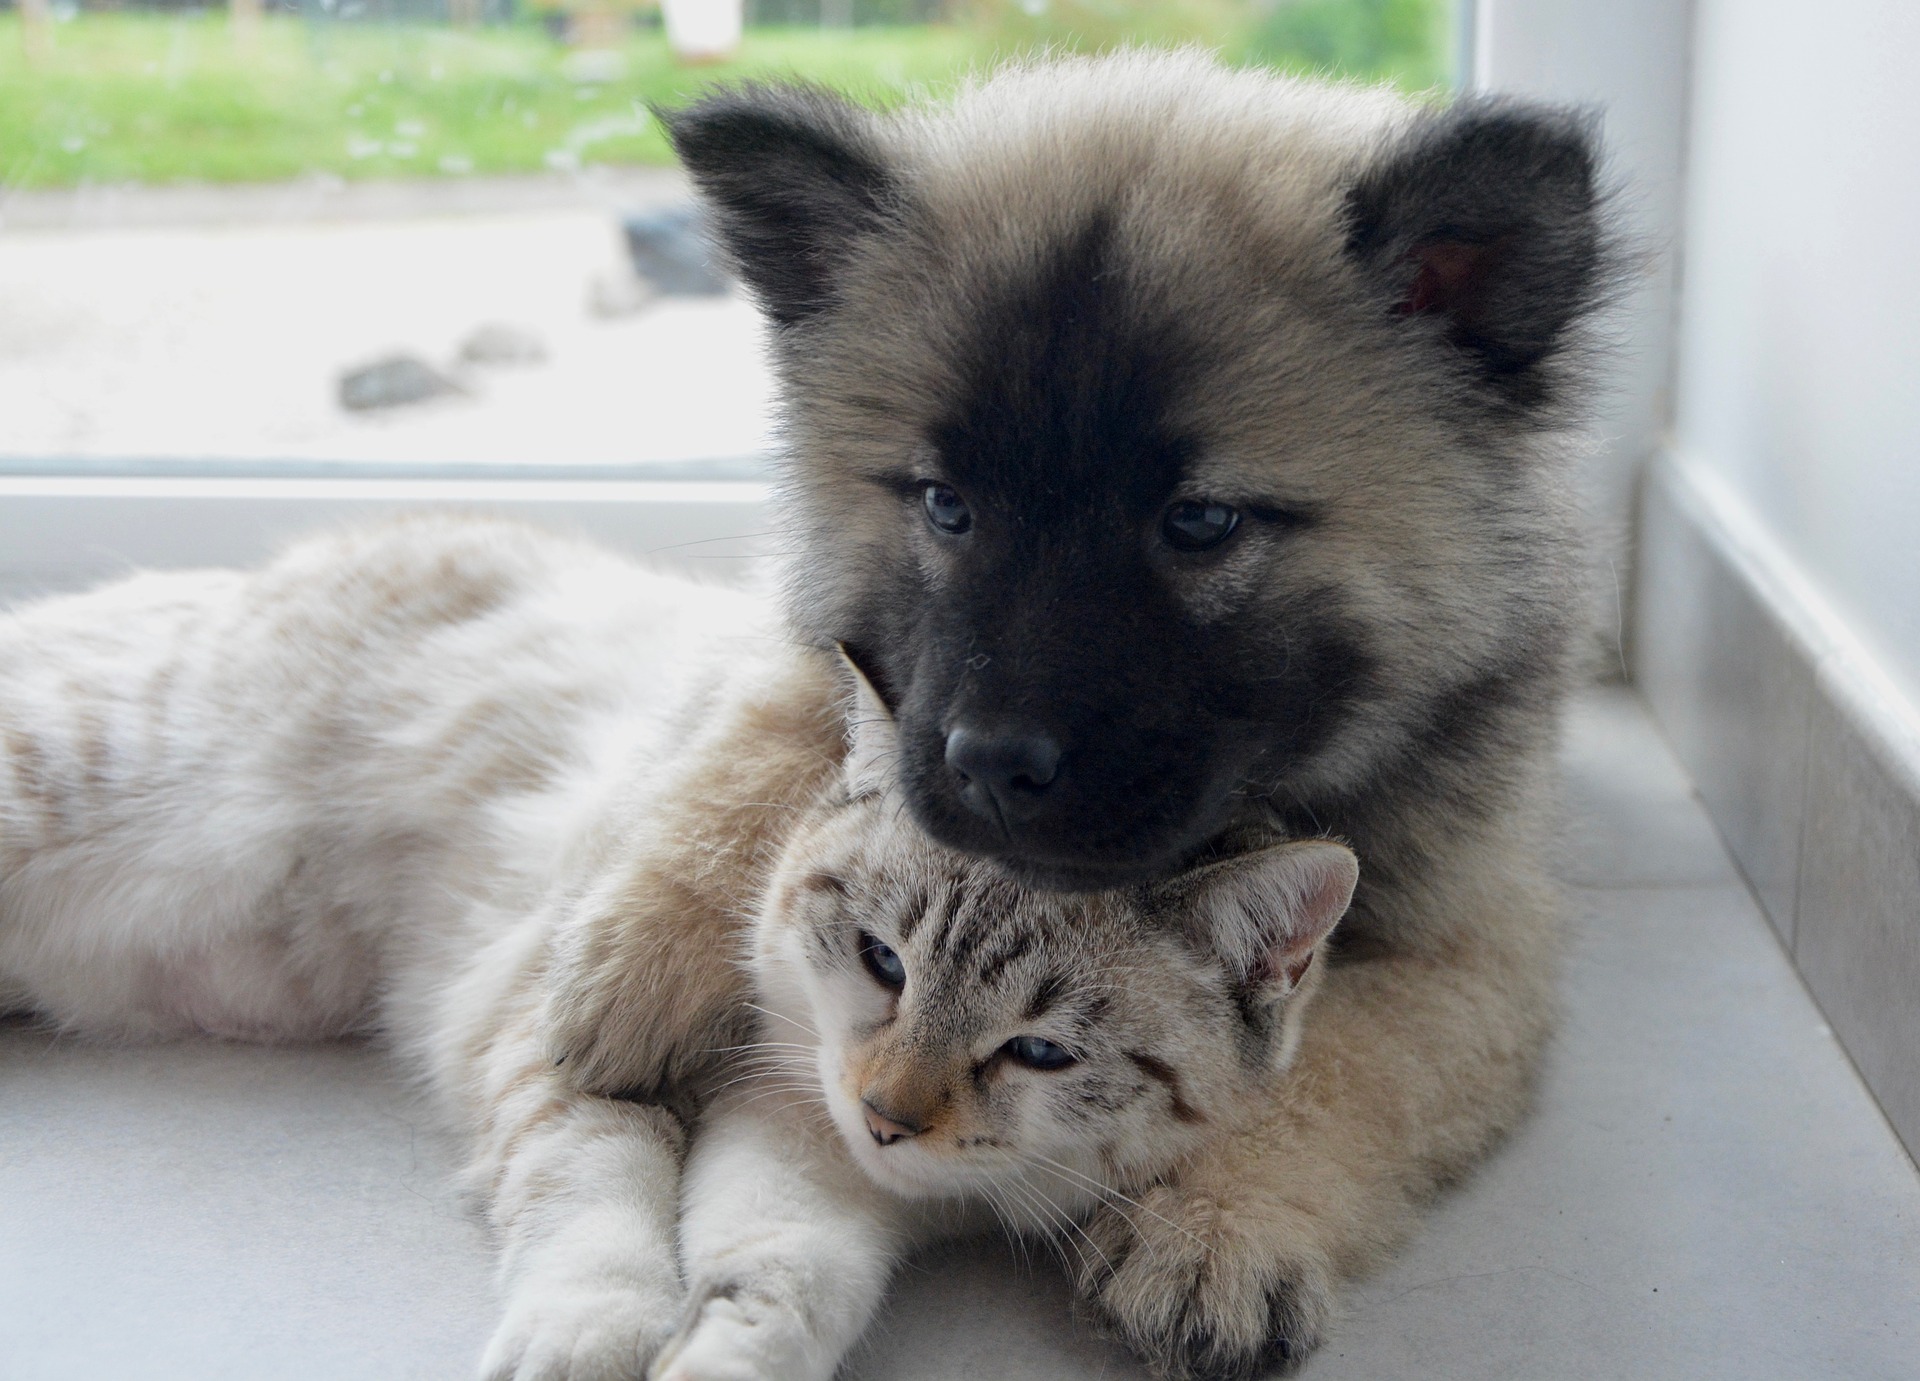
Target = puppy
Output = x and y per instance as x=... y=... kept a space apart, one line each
x=1174 y=447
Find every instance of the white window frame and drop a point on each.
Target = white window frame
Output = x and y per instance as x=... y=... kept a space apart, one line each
x=62 y=532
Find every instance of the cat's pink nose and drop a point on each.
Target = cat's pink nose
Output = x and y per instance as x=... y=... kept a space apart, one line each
x=887 y=1130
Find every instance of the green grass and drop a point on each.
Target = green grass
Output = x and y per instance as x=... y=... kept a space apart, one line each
x=154 y=98
x=158 y=99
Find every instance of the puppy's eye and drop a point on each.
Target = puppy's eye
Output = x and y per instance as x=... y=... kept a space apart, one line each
x=946 y=510
x=886 y=967
x=1036 y=1052
x=1196 y=525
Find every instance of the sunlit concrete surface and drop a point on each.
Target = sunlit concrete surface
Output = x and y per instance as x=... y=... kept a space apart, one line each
x=190 y=332
x=1707 y=1191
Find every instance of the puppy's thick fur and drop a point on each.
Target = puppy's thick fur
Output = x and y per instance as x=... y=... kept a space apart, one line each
x=1088 y=290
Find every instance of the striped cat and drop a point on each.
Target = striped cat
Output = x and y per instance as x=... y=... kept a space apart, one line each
x=447 y=780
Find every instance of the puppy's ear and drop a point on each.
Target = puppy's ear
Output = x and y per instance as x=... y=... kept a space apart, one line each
x=793 y=177
x=1487 y=215
x=873 y=739
x=1266 y=912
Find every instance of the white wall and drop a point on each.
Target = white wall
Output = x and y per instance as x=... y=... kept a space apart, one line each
x=1778 y=619
x=1799 y=342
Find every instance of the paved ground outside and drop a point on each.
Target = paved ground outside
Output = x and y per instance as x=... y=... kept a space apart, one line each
x=205 y=323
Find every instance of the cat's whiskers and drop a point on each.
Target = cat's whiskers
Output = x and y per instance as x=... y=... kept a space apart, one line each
x=1004 y=1215
x=797 y=1095
x=786 y=1072
x=753 y=1075
x=766 y=1059
x=1055 y=1228
x=757 y=1045
x=782 y=1016
x=1108 y=1192
x=1052 y=1217
x=1051 y=1213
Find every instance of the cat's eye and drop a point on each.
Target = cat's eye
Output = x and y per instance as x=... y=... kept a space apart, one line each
x=887 y=968
x=946 y=510
x=1037 y=1052
x=1196 y=524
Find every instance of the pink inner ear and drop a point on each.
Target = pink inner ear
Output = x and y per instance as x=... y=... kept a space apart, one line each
x=1444 y=278
x=1278 y=966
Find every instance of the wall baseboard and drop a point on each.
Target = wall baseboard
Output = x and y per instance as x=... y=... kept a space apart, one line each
x=1806 y=754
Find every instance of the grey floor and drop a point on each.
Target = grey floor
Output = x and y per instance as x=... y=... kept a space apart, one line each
x=1707 y=1191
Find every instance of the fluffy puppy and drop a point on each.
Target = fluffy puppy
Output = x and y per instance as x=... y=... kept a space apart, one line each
x=1173 y=446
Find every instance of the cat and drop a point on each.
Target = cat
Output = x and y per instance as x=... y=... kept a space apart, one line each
x=1174 y=444
x=399 y=780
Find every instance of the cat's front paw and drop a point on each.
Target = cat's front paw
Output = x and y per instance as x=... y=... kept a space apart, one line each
x=1204 y=1290
x=585 y=1333
x=731 y=1336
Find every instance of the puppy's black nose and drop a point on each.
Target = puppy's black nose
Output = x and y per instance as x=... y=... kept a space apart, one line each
x=1003 y=774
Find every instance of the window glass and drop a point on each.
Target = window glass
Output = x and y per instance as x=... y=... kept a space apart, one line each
x=445 y=235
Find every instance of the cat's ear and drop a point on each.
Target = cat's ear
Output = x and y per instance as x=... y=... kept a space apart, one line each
x=873 y=740
x=1265 y=912
x=793 y=177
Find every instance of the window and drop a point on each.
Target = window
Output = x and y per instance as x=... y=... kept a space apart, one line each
x=272 y=263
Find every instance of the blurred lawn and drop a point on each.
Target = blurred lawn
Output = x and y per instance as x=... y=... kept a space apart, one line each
x=130 y=97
